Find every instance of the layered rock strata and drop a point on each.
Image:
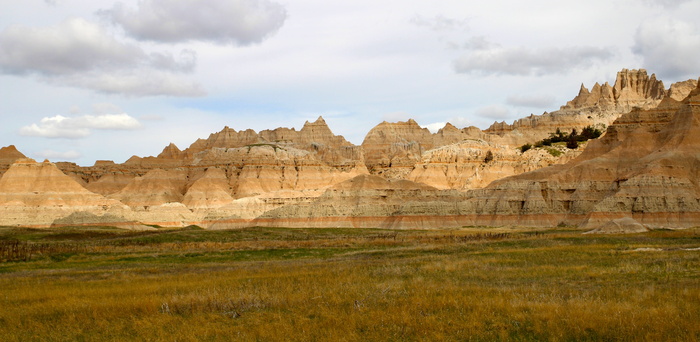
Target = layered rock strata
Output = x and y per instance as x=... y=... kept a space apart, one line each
x=36 y=194
x=599 y=107
x=644 y=168
x=8 y=155
x=392 y=150
x=473 y=164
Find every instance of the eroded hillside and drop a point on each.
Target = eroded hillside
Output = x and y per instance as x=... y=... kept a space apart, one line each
x=401 y=176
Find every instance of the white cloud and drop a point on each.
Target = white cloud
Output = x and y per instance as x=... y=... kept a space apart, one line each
x=221 y=21
x=79 y=127
x=104 y=108
x=435 y=126
x=497 y=112
x=488 y=59
x=166 y=61
x=666 y=3
x=56 y=155
x=396 y=116
x=134 y=83
x=669 y=47
x=459 y=122
x=75 y=45
x=439 y=23
x=535 y=101
x=151 y=117
x=82 y=54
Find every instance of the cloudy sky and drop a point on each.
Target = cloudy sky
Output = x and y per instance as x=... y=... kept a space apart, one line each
x=82 y=80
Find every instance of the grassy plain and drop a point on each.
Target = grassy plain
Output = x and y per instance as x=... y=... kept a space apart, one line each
x=265 y=284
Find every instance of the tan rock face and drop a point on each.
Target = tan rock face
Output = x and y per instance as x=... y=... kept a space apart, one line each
x=110 y=183
x=680 y=90
x=468 y=165
x=36 y=194
x=633 y=88
x=393 y=149
x=363 y=201
x=42 y=184
x=9 y=155
x=154 y=188
x=256 y=170
x=212 y=190
x=644 y=167
x=599 y=107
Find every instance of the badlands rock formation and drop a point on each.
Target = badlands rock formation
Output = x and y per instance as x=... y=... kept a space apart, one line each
x=9 y=155
x=402 y=176
x=36 y=194
x=598 y=107
x=392 y=149
x=473 y=164
x=633 y=88
x=645 y=167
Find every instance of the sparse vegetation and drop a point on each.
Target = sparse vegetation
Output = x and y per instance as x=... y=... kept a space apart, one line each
x=351 y=284
x=489 y=157
x=554 y=151
x=572 y=139
x=572 y=143
x=275 y=147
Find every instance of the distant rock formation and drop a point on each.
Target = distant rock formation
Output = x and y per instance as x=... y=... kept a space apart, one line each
x=35 y=194
x=211 y=190
x=393 y=149
x=645 y=168
x=154 y=188
x=473 y=164
x=633 y=88
x=598 y=107
x=9 y=155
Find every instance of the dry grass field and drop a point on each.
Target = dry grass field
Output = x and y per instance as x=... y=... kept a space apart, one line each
x=264 y=284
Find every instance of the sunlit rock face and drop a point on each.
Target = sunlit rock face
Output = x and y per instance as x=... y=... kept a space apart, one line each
x=35 y=194
x=645 y=167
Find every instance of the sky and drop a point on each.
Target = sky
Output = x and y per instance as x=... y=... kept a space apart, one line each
x=86 y=80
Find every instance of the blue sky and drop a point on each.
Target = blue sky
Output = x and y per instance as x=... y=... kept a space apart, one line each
x=82 y=80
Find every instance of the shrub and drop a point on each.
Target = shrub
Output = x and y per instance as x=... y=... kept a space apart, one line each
x=590 y=133
x=489 y=157
x=525 y=148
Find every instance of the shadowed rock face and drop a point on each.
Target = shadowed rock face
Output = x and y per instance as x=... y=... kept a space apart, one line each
x=645 y=167
x=9 y=155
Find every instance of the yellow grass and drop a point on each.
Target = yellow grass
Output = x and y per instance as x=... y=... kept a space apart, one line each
x=423 y=286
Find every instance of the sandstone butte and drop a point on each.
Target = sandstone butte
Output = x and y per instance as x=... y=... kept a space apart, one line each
x=642 y=173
